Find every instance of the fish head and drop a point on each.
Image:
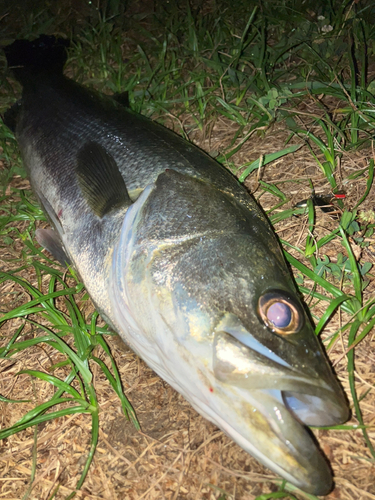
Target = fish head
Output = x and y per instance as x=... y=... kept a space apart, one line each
x=201 y=292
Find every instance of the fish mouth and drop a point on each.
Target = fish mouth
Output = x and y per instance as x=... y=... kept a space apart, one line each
x=314 y=409
x=271 y=433
x=313 y=400
x=278 y=402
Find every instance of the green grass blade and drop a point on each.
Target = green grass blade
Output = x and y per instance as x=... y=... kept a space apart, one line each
x=51 y=379
x=368 y=184
x=350 y=355
x=354 y=267
x=43 y=418
x=329 y=311
x=310 y=274
x=3 y=399
x=117 y=386
x=94 y=439
x=268 y=159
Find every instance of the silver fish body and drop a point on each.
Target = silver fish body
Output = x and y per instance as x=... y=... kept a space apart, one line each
x=182 y=263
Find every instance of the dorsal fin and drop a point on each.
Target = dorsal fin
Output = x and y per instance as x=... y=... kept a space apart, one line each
x=100 y=180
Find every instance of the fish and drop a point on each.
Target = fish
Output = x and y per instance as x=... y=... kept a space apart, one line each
x=180 y=260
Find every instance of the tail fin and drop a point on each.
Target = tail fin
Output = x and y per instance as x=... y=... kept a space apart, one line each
x=45 y=54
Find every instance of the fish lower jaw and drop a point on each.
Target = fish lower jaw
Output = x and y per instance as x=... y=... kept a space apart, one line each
x=297 y=460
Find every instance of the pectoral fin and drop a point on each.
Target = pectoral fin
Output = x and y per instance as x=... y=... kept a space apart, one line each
x=100 y=180
x=50 y=240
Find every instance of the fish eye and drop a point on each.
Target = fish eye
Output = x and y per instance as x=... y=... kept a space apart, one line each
x=280 y=313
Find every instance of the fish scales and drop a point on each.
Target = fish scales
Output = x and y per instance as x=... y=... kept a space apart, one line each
x=180 y=261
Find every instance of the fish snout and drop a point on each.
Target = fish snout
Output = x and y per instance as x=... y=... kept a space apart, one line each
x=298 y=371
